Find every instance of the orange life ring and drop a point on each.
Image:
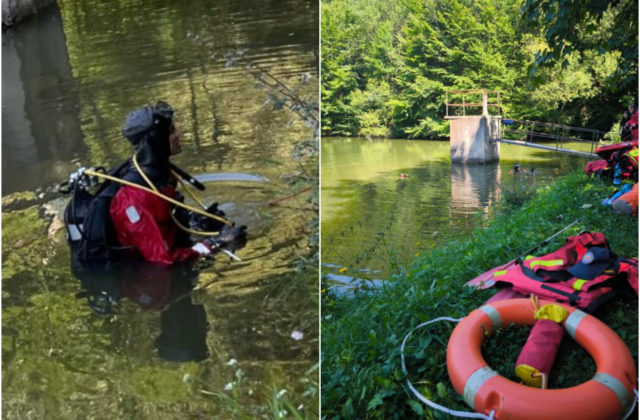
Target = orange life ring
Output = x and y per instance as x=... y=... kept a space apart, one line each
x=607 y=395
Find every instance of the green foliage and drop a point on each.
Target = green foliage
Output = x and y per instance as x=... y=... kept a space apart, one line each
x=521 y=189
x=305 y=152
x=386 y=65
x=600 y=26
x=361 y=336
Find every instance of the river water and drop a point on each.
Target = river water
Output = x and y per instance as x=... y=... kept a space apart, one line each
x=226 y=340
x=375 y=220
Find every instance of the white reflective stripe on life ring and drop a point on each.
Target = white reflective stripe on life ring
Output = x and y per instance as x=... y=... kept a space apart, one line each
x=475 y=382
x=572 y=322
x=493 y=314
x=616 y=386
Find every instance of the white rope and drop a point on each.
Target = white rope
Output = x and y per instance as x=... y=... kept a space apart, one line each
x=456 y=413
x=633 y=406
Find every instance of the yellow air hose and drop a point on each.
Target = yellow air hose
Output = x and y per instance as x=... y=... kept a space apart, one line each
x=189 y=230
x=180 y=225
x=153 y=190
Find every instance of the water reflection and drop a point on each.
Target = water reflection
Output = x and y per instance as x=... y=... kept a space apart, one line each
x=60 y=358
x=165 y=290
x=66 y=92
x=385 y=202
x=40 y=128
x=474 y=187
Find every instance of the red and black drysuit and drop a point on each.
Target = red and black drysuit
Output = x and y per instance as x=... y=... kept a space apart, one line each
x=143 y=220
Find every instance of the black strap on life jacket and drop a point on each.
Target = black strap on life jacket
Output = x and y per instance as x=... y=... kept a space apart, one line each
x=573 y=297
x=555 y=277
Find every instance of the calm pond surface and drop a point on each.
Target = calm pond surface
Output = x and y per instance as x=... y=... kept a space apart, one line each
x=244 y=342
x=374 y=221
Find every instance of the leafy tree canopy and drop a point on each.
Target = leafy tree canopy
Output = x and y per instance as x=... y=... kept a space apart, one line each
x=579 y=26
x=386 y=65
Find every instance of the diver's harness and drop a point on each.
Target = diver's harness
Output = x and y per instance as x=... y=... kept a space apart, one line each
x=89 y=228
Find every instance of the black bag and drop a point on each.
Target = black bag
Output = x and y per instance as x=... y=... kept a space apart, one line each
x=90 y=231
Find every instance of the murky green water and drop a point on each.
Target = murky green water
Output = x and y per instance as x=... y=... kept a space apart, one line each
x=70 y=76
x=374 y=219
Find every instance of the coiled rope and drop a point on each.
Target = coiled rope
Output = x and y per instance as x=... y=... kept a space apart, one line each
x=456 y=413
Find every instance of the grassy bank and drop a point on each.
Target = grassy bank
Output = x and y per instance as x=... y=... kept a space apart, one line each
x=361 y=336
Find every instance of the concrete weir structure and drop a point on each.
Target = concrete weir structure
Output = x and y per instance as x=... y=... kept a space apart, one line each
x=471 y=135
x=470 y=139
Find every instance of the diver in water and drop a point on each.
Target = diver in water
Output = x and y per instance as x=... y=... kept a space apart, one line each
x=143 y=220
x=138 y=210
x=128 y=229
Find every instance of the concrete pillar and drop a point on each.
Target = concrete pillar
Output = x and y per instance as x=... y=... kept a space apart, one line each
x=470 y=139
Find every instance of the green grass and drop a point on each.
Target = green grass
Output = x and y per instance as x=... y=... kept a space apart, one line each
x=361 y=336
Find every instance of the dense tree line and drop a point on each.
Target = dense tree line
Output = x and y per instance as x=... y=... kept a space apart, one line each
x=386 y=65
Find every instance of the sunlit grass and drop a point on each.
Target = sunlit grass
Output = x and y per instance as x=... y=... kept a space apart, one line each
x=361 y=335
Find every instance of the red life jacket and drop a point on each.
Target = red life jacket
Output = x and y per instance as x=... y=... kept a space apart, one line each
x=547 y=276
x=622 y=155
x=596 y=167
x=605 y=151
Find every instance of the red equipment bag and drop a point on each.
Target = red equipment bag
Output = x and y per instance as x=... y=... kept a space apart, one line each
x=538 y=354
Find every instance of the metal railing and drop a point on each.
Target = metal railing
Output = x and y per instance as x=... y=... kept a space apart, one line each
x=538 y=134
x=477 y=102
x=470 y=101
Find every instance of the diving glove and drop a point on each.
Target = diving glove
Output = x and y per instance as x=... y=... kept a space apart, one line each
x=231 y=238
x=202 y=223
